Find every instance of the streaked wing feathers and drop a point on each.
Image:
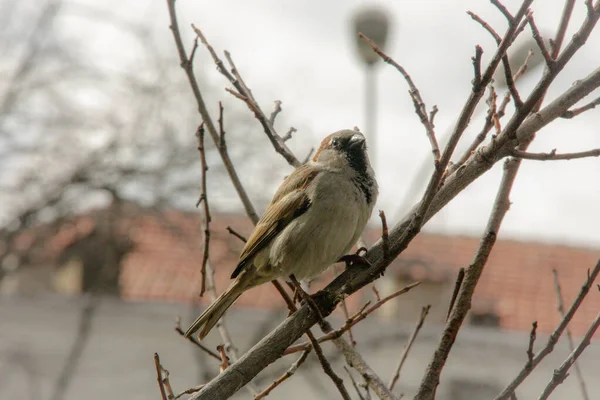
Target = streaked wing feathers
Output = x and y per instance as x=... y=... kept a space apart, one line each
x=289 y=202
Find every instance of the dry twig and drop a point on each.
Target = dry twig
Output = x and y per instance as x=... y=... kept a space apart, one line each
x=560 y=374
x=293 y=368
x=203 y=198
x=244 y=94
x=553 y=339
x=553 y=156
x=431 y=379
x=457 y=284
x=407 y=347
x=575 y=112
x=415 y=95
x=353 y=320
x=162 y=376
x=532 y=336
x=561 y=311
x=195 y=341
x=188 y=67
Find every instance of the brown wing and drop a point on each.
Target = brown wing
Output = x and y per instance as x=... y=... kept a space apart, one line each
x=289 y=202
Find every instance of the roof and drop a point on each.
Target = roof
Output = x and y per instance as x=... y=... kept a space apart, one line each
x=516 y=284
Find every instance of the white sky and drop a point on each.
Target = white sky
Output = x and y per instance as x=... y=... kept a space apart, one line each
x=302 y=53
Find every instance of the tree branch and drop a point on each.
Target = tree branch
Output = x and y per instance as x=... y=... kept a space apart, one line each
x=553 y=156
x=210 y=126
x=553 y=339
x=561 y=311
x=560 y=374
x=407 y=347
x=431 y=379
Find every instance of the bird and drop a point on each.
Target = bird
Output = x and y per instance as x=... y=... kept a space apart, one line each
x=314 y=219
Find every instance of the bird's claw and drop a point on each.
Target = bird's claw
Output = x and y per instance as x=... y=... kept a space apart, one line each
x=355 y=259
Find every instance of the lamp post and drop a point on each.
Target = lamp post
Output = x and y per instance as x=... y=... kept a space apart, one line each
x=373 y=23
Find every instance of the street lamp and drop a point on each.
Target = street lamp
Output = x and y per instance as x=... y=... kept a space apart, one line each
x=373 y=23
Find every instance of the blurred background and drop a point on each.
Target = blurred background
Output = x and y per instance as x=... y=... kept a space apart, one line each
x=100 y=242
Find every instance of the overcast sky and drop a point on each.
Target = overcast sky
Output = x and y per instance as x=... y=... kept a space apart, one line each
x=302 y=53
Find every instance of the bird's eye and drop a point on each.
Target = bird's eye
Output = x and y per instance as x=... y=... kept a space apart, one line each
x=335 y=143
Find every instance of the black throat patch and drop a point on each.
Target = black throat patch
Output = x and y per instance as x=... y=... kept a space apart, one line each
x=358 y=162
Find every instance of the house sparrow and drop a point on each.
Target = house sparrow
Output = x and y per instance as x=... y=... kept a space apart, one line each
x=315 y=217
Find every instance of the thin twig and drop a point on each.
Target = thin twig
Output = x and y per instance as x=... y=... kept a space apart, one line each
x=504 y=11
x=346 y=314
x=553 y=339
x=203 y=196
x=477 y=65
x=385 y=237
x=556 y=44
x=553 y=156
x=353 y=320
x=560 y=374
x=195 y=341
x=532 y=336
x=576 y=111
x=210 y=126
x=431 y=379
x=159 y=377
x=407 y=347
x=459 y=280
x=275 y=112
x=293 y=368
x=415 y=95
x=224 y=359
x=190 y=391
x=289 y=134
x=246 y=95
x=493 y=113
x=236 y=234
x=208 y=271
x=561 y=311
x=505 y=62
x=360 y=396
x=339 y=383
x=540 y=41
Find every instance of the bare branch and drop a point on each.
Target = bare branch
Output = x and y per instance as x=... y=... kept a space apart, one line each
x=243 y=93
x=353 y=320
x=289 y=133
x=553 y=156
x=560 y=374
x=159 y=377
x=556 y=44
x=459 y=280
x=413 y=336
x=384 y=234
x=504 y=11
x=431 y=379
x=553 y=339
x=237 y=235
x=210 y=126
x=532 y=336
x=415 y=95
x=360 y=395
x=275 y=112
x=477 y=65
x=203 y=196
x=339 y=383
x=575 y=112
x=195 y=341
x=293 y=368
x=540 y=41
x=561 y=311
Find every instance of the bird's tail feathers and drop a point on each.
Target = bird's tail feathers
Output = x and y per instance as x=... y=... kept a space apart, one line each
x=209 y=318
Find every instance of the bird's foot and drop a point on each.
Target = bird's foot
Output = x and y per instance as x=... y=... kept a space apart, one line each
x=356 y=259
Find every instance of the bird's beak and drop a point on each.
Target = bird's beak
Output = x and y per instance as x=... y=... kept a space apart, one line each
x=356 y=141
